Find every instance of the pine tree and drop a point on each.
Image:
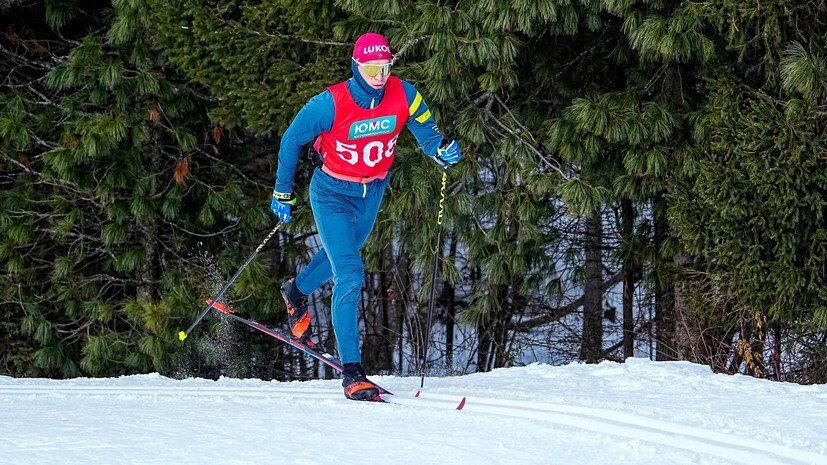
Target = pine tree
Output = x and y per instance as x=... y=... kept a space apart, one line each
x=504 y=70
x=673 y=148
x=753 y=214
x=112 y=175
x=260 y=63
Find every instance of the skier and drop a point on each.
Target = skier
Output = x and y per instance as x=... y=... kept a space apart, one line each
x=355 y=125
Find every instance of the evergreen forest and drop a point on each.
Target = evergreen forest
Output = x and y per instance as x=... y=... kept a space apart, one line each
x=640 y=178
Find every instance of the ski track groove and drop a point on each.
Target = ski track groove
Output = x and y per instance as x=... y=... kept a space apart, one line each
x=737 y=449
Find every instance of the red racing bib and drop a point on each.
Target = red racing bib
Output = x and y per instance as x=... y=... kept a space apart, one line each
x=361 y=142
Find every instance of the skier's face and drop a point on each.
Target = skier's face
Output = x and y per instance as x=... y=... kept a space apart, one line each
x=380 y=69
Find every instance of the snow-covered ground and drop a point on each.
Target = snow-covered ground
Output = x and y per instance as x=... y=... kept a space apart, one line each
x=640 y=412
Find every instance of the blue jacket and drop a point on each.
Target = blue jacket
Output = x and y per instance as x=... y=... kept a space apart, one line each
x=317 y=116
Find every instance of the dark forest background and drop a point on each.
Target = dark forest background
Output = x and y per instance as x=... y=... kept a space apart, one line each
x=640 y=178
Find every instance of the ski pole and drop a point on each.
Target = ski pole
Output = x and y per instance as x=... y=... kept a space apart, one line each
x=183 y=334
x=433 y=272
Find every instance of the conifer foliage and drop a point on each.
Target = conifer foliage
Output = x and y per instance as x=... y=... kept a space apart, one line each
x=665 y=157
x=110 y=180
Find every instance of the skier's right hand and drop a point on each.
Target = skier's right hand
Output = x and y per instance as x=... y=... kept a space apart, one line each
x=282 y=205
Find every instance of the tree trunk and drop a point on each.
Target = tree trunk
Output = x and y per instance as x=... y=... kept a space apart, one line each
x=500 y=352
x=377 y=351
x=483 y=347
x=374 y=348
x=664 y=289
x=591 y=349
x=630 y=272
x=147 y=229
x=776 y=351
x=386 y=350
x=450 y=316
x=693 y=342
x=401 y=290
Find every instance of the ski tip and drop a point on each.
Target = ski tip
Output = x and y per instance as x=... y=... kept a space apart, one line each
x=417 y=393
x=461 y=404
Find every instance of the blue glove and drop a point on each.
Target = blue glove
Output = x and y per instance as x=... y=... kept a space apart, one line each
x=282 y=206
x=449 y=152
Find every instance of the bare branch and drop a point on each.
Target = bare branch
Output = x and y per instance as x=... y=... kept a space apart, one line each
x=406 y=46
x=560 y=312
x=219 y=233
x=299 y=38
x=62 y=184
x=528 y=143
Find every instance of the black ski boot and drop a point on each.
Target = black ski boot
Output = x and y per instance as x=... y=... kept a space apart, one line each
x=297 y=314
x=357 y=386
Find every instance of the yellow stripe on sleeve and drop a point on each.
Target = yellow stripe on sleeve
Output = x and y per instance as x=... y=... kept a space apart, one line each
x=415 y=105
x=424 y=117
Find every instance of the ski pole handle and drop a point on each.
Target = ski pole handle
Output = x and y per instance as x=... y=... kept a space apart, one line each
x=183 y=334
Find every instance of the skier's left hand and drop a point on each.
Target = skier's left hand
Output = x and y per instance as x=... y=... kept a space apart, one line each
x=449 y=152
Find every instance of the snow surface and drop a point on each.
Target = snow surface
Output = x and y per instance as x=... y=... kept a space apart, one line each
x=639 y=412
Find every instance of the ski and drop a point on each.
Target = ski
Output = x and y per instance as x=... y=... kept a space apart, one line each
x=309 y=347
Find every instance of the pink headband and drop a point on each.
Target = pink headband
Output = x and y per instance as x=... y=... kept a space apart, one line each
x=370 y=47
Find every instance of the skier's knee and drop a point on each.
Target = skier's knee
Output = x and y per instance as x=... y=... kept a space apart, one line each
x=353 y=279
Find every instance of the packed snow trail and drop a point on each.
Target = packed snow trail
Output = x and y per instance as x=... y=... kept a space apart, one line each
x=640 y=412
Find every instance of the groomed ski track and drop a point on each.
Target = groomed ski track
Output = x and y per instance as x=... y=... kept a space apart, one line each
x=728 y=447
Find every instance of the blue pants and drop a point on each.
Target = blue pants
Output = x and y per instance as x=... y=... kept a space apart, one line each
x=345 y=213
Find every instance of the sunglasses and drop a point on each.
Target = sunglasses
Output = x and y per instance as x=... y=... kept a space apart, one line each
x=373 y=70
